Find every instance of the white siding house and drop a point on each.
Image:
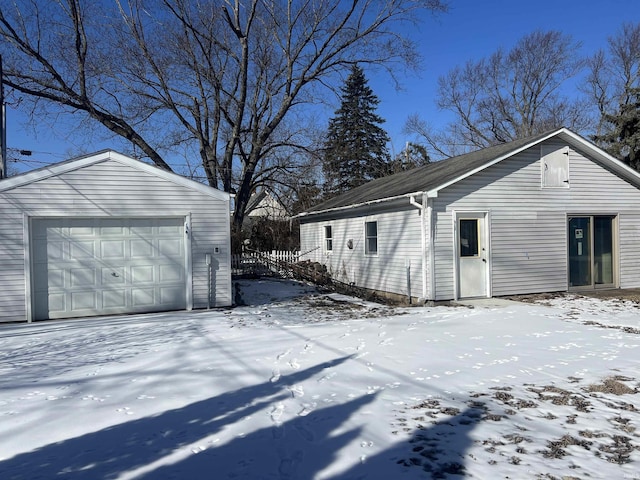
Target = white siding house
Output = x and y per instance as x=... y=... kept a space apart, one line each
x=547 y=213
x=107 y=234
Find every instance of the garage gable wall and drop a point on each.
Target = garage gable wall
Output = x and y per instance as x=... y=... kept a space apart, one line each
x=112 y=188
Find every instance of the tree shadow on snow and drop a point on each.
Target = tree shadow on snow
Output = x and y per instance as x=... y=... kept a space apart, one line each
x=137 y=444
x=435 y=451
x=181 y=443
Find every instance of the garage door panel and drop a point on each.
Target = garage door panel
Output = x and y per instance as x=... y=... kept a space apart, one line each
x=82 y=277
x=80 y=231
x=112 y=276
x=54 y=251
x=114 y=299
x=168 y=295
x=143 y=297
x=57 y=303
x=102 y=266
x=56 y=278
x=81 y=249
x=83 y=301
x=142 y=274
x=142 y=229
x=141 y=248
x=114 y=230
x=170 y=273
x=170 y=248
x=112 y=249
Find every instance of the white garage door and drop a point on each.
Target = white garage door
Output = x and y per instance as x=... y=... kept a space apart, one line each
x=105 y=266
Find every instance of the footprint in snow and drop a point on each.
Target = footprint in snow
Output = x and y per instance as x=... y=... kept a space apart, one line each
x=294 y=364
x=297 y=391
x=283 y=354
x=328 y=376
x=307 y=408
x=275 y=376
x=276 y=413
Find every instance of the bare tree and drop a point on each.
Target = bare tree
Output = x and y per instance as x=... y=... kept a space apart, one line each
x=220 y=74
x=509 y=95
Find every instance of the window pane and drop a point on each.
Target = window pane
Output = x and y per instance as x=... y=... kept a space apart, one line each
x=603 y=250
x=371 y=238
x=468 y=238
x=372 y=245
x=579 y=251
x=328 y=238
x=372 y=229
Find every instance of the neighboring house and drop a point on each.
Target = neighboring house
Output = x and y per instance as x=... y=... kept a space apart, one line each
x=547 y=213
x=107 y=234
x=264 y=205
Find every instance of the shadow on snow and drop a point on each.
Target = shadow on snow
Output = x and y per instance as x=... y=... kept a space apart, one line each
x=297 y=449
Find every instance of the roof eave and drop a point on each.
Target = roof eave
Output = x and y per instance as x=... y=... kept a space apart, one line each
x=358 y=205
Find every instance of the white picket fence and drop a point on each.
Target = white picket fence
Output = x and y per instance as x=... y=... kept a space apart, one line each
x=262 y=263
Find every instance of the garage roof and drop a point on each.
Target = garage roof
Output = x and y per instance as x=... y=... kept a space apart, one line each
x=103 y=156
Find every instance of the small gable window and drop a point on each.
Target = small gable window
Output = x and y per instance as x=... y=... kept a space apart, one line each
x=555 y=166
x=371 y=238
x=328 y=238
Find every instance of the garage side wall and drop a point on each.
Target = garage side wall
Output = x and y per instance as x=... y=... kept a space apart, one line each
x=395 y=268
x=112 y=189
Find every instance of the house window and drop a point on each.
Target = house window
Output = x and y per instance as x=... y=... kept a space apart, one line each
x=371 y=238
x=555 y=166
x=328 y=238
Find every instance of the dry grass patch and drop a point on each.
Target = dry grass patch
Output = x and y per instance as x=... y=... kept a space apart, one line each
x=613 y=386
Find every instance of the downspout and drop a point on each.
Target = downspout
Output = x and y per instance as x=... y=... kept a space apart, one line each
x=424 y=211
x=431 y=250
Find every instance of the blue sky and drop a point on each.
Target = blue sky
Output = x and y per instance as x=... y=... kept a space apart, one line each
x=472 y=29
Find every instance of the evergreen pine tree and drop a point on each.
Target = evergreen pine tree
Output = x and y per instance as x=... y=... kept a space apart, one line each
x=622 y=140
x=356 y=146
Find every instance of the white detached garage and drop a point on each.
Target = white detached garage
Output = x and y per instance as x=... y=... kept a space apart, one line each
x=108 y=234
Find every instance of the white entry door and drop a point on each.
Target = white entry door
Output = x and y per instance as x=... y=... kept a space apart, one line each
x=99 y=266
x=472 y=253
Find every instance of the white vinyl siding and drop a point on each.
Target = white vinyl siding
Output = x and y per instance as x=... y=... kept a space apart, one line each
x=529 y=223
x=112 y=188
x=527 y=227
x=399 y=250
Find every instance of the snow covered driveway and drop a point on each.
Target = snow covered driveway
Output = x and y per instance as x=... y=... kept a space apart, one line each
x=298 y=385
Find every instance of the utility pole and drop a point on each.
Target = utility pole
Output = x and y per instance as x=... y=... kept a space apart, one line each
x=3 y=128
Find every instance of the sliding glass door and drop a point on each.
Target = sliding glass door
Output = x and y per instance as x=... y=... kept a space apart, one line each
x=591 y=251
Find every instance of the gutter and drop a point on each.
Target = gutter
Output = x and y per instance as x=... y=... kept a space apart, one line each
x=363 y=204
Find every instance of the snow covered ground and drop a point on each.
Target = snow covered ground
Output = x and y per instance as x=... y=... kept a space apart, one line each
x=301 y=385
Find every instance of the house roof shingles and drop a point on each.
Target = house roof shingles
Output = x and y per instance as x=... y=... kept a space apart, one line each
x=427 y=177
